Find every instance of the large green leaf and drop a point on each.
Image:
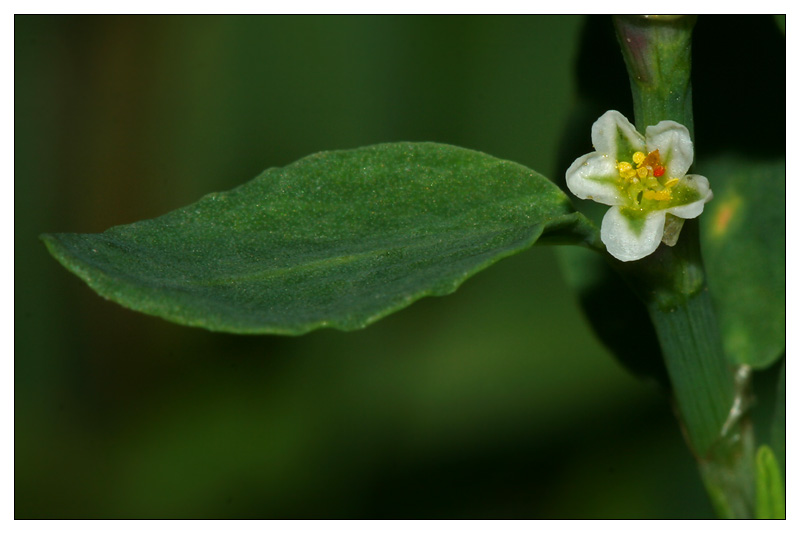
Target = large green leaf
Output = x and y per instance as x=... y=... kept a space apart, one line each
x=744 y=246
x=336 y=239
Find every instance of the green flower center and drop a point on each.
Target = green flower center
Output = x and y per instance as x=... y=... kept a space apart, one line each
x=644 y=178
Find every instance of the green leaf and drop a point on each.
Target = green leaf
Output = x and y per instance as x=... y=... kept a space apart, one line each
x=770 y=500
x=338 y=239
x=744 y=246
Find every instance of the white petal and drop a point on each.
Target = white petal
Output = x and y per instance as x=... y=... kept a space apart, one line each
x=699 y=184
x=631 y=239
x=595 y=177
x=614 y=135
x=674 y=145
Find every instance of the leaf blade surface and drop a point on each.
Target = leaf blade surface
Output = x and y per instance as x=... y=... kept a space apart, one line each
x=744 y=248
x=336 y=239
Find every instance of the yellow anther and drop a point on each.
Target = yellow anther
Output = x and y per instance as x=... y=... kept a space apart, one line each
x=626 y=170
x=646 y=172
x=657 y=195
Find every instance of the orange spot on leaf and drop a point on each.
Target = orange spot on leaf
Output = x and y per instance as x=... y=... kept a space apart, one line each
x=725 y=213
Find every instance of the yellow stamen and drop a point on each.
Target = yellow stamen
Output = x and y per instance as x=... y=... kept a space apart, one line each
x=666 y=194
x=642 y=173
x=626 y=170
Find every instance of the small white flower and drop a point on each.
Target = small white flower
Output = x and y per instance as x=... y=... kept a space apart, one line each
x=643 y=179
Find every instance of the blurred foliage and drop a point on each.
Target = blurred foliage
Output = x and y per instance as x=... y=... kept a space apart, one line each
x=744 y=247
x=482 y=404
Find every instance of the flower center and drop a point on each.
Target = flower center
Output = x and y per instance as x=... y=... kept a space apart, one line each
x=643 y=178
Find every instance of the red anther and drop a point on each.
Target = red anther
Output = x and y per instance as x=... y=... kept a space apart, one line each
x=659 y=171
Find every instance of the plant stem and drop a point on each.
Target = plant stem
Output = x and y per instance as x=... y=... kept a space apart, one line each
x=710 y=397
x=658 y=54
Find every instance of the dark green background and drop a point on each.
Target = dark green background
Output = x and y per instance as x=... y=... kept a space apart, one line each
x=493 y=402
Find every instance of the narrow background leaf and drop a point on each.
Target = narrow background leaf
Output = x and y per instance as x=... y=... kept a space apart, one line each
x=770 y=494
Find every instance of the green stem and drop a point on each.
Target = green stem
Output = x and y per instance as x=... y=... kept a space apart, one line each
x=701 y=379
x=658 y=53
x=710 y=397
